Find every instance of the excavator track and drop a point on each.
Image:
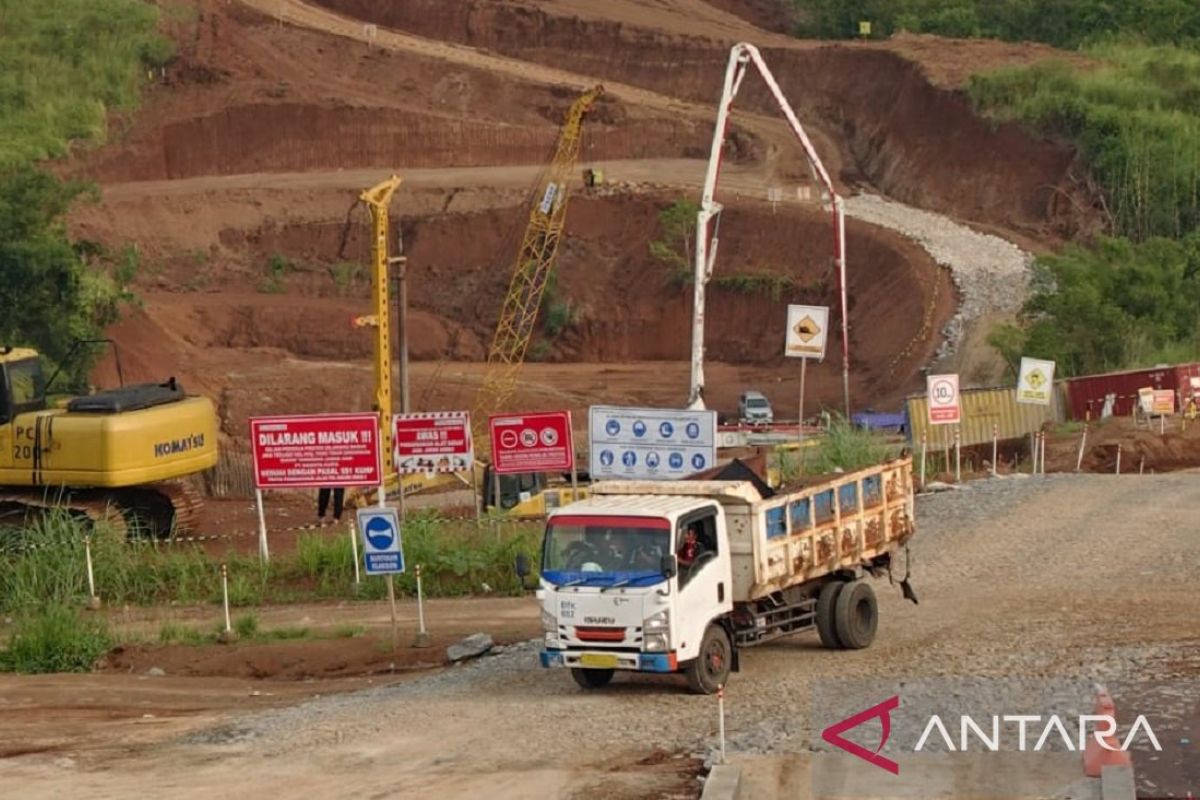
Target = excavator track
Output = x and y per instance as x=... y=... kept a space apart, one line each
x=156 y=510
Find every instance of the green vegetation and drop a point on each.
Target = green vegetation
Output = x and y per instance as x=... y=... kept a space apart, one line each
x=46 y=565
x=174 y=633
x=246 y=626
x=769 y=283
x=64 y=66
x=1063 y=23
x=677 y=225
x=1115 y=306
x=55 y=639
x=1135 y=118
x=277 y=270
x=844 y=446
x=348 y=276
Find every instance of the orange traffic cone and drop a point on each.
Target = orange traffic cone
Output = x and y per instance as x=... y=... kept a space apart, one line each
x=1096 y=757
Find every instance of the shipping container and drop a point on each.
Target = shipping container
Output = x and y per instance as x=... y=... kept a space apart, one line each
x=1087 y=393
x=981 y=409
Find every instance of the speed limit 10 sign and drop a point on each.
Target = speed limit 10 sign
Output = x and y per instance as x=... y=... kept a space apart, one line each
x=942 y=392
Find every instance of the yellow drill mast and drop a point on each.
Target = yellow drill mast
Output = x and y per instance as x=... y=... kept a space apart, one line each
x=534 y=262
x=377 y=199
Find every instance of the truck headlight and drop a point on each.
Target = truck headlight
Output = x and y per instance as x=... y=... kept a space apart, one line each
x=657 y=623
x=656 y=643
x=549 y=622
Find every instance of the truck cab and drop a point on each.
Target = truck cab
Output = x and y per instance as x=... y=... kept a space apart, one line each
x=623 y=588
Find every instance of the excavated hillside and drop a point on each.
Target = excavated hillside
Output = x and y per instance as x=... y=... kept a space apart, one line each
x=238 y=181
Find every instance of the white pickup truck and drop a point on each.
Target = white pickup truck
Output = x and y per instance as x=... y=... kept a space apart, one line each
x=622 y=587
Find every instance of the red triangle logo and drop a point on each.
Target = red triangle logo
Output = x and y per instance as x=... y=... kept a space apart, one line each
x=833 y=734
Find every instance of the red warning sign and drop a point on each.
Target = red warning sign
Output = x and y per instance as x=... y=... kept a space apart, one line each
x=539 y=442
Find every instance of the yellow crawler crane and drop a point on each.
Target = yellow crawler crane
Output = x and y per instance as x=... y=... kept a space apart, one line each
x=114 y=455
x=526 y=495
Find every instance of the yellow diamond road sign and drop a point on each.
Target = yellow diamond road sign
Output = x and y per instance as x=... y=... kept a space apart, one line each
x=807 y=329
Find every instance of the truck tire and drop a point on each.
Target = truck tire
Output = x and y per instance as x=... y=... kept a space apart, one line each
x=592 y=678
x=826 y=608
x=856 y=615
x=710 y=669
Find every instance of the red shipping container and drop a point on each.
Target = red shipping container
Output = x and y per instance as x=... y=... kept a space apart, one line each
x=1086 y=393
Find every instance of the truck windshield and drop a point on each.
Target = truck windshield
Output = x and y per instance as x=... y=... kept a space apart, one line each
x=605 y=550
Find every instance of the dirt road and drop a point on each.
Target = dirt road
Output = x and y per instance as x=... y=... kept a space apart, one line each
x=1030 y=590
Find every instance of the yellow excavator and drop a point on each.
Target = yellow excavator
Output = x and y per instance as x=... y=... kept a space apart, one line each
x=115 y=455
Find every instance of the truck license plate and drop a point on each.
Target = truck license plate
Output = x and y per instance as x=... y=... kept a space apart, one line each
x=598 y=660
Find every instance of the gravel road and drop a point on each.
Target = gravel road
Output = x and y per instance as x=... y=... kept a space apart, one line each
x=1030 y=590
x=992 y=275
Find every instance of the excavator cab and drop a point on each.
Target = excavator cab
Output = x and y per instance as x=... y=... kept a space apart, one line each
x=23 y=384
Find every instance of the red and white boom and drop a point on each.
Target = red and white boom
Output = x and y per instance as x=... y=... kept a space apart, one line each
x=740 y=57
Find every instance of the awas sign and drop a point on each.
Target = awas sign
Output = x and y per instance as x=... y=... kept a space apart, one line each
x=943 y=400
x=295 y=452
x=437 y=441
x=538 y=442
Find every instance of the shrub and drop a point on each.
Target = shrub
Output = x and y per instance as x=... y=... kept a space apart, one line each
x=55 y=639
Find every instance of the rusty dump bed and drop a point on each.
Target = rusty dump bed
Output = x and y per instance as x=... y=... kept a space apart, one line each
x=795 y=536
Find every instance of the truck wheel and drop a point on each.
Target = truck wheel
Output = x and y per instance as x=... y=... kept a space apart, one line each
x=711 y=668
x=826 y=608
x=856 y=615
x=592 y=678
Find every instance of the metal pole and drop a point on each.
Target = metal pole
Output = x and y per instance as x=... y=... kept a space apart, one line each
x=93 y=600
x=957 y=457
x=354 y=549
x=1043 y=435
x=841 y=257
x=721 y=718
x=574 y=481
x=1033 y=452
x=391 y=582
x=402 y=331
x=1082 y=446
x=800 y=410
x=1141 y=465
x=924 y=448
x=1118 y=458
x=263 y=550
x=225 y=596
x=475 y=496
x=422 y=639
x=995 y=449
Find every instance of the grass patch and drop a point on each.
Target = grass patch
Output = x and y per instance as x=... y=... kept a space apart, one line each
x=175 y=633
x=1135 y=118
x=347 y=277
x=45 y=565
x=55 y=639
x=349 y=631
x=246 y=626
x=287 y=633
x=64 y=65
x=844 y=446
x=276 y=273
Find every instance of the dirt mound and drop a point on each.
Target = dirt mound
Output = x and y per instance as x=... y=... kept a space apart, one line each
x=914 y=141
x=1141 y=449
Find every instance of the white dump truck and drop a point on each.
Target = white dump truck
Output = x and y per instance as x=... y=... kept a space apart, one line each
x=658 y=576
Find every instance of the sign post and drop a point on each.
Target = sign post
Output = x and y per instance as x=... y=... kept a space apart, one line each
x=806 y=336
x=1035 y=384
x=382 y=552
x=311 y=451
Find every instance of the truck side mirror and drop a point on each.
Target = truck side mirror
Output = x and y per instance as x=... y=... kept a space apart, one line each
x=522 y=566
x=669 y=566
